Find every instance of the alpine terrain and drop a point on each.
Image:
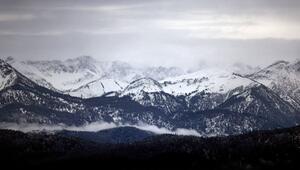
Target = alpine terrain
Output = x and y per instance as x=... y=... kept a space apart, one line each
x=209 y=102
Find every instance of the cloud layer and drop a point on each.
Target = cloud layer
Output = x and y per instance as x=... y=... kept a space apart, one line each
x=158 y=32
x=94 y=127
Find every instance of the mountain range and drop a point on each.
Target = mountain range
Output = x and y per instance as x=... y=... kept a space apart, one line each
x=213 y=102
x=85 y=76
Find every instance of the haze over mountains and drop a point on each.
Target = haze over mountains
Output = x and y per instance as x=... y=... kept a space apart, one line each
x=210 y=101
x=150 y=84
x=87 y=77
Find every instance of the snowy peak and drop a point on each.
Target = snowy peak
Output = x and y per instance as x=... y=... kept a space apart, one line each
x=149 y=92
x=61 y=75
x=5 y=68
x=258 y=100
x=83 y=76
x=68 y=66
x=8 y=59
x=147 y=85
x=279 y=63
x=98 y=88
x=279 y=69
x=8 y=75
x=283 y=78
x=209 y=80
x=274 y=68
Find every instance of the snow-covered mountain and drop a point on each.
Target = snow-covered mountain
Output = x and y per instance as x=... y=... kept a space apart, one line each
x=7 y=75
x=206 y=89
x=10 y=77
x=149 y=92
x=262 y=102
x=283 y=78
x=87 y=77
x=24 y=101
x=213 y=102
x=148 y=85
x=97 y=88
x=201 y=90
x=208 y=80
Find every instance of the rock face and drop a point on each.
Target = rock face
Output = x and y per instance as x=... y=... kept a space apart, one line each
x=212 y=103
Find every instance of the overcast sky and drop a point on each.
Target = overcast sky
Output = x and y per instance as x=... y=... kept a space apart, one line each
x=185 y=33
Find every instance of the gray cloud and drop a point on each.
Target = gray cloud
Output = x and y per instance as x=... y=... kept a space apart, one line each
x=158 y=32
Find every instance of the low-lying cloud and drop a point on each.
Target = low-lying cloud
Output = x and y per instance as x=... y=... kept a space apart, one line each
x=94 y=127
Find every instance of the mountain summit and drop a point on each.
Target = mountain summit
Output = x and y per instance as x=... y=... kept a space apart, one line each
x=7 y=75
x=148 y=85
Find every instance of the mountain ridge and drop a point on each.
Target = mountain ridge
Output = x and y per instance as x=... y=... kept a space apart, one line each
x=72 y=75
x=243 y=105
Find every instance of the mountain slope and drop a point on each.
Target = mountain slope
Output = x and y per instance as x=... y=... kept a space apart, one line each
x=208 y=80
x=97 y=88
x=149 y=92
x=283 y=78
x=7 y=75
x=206 y=89
x=25 y=101
x=262 y=102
